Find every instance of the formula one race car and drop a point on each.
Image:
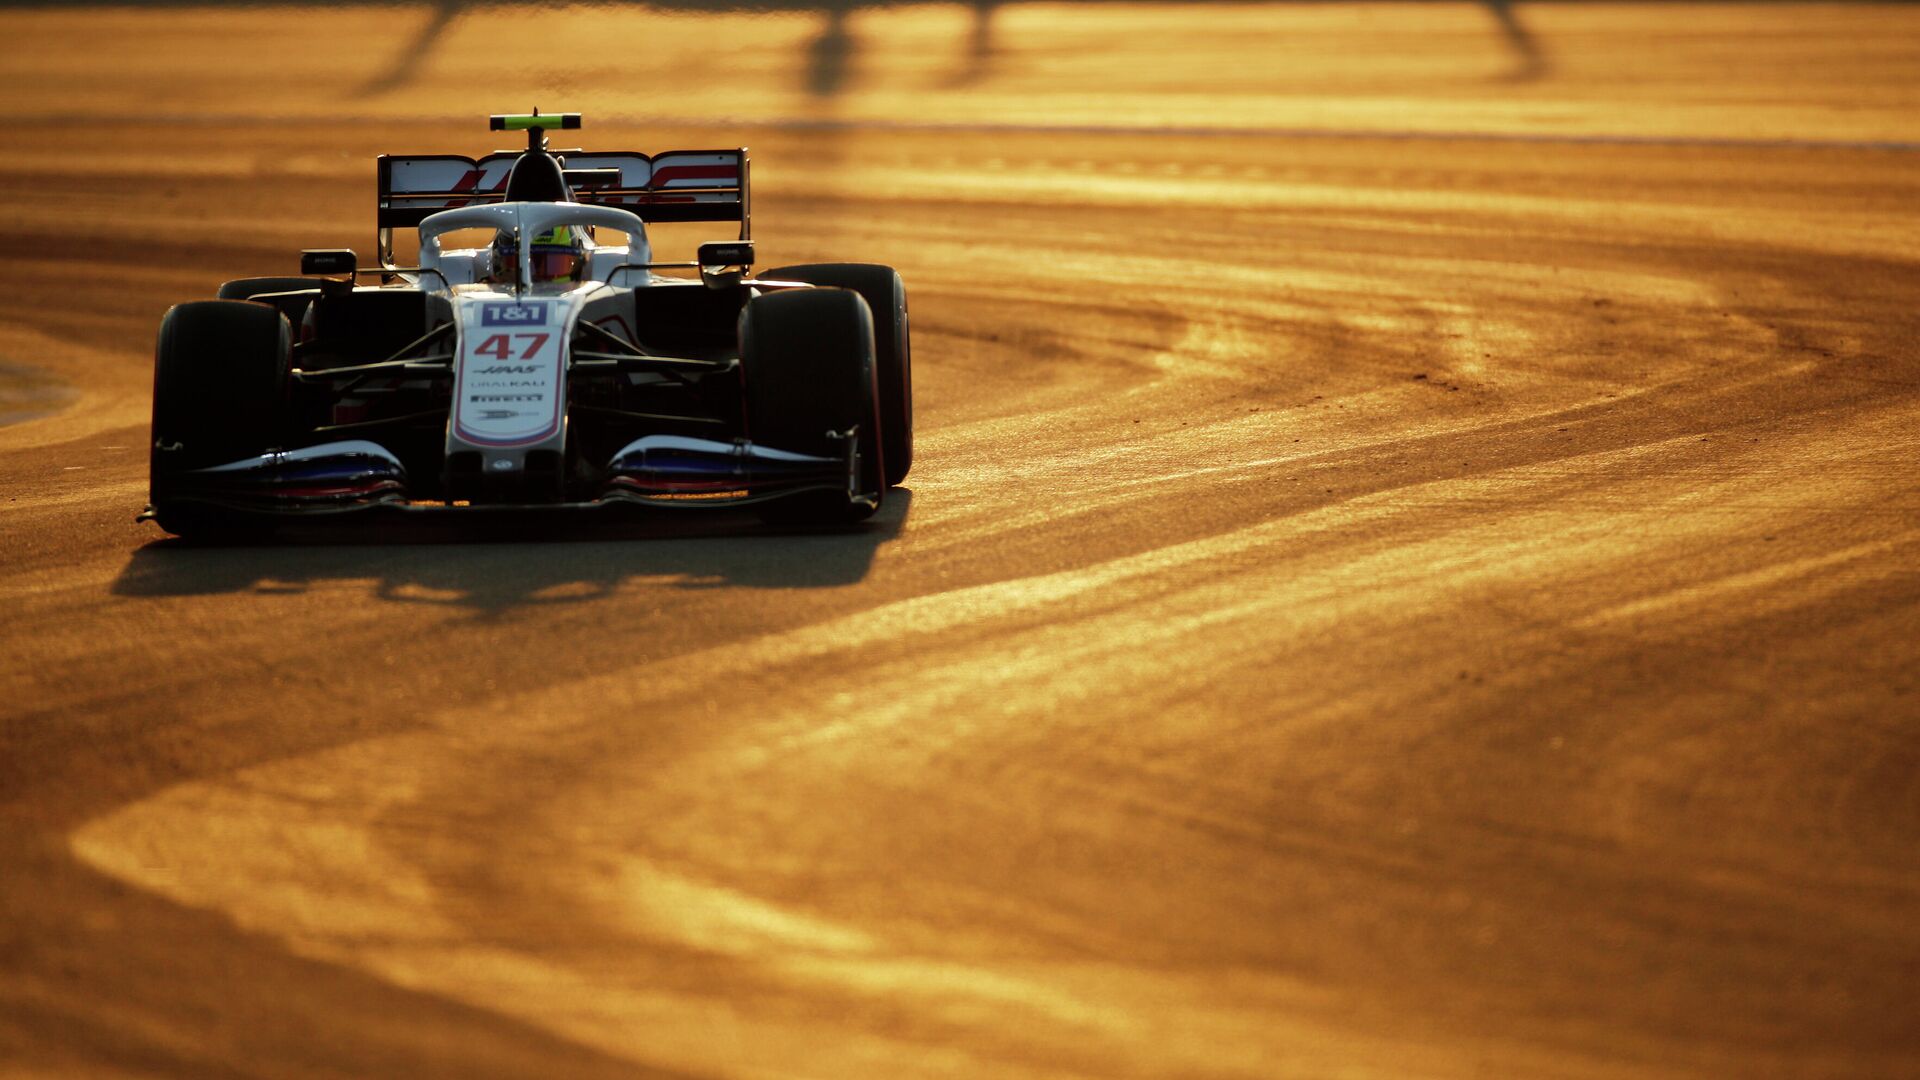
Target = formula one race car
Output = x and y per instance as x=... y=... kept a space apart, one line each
x=546 y=366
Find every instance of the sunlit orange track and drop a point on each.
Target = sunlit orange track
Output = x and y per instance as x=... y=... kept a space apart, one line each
x=1431 y=594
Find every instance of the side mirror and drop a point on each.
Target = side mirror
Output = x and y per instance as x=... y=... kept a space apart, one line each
x=727 y=253
x=329 y=261
x=724 y=263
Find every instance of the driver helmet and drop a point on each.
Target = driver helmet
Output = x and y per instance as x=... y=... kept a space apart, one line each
x=559 y=254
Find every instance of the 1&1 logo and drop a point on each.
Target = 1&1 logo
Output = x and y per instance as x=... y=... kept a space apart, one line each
x=513 y=315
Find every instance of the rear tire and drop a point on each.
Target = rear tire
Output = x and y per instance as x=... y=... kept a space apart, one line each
x=807 y=357
x=886 y=295
x=219 y=395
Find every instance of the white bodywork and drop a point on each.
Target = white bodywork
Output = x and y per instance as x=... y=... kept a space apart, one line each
x=509 y=371
x=510 y=377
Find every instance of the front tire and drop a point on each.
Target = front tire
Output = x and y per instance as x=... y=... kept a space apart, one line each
x=807 y=358
x=219 y=395
x=886 y=296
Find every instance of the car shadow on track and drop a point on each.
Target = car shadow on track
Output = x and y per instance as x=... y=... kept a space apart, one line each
x=511 y=563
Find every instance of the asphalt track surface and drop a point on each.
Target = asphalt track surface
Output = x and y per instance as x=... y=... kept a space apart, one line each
x=1365 y=605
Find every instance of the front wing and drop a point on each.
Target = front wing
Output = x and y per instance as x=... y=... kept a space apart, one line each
x=659 y=470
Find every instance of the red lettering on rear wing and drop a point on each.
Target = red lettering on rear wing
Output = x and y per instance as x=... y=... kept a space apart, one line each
x=680 y=185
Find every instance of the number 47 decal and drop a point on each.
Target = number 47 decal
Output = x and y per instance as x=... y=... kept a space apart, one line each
x=497 y=346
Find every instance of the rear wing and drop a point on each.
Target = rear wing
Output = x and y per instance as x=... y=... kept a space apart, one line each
x=680 y=185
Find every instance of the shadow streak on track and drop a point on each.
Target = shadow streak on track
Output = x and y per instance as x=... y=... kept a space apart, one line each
x=406 y=61
x=116 y=985
x=831 y=55
x=109 y=951
x=1533 y=60
x=524 y=562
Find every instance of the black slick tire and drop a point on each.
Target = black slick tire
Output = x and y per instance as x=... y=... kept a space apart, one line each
x=886 y=296
x=807 y=360
x=219 y=395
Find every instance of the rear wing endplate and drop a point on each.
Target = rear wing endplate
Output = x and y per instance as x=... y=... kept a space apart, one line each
x=680 y=185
